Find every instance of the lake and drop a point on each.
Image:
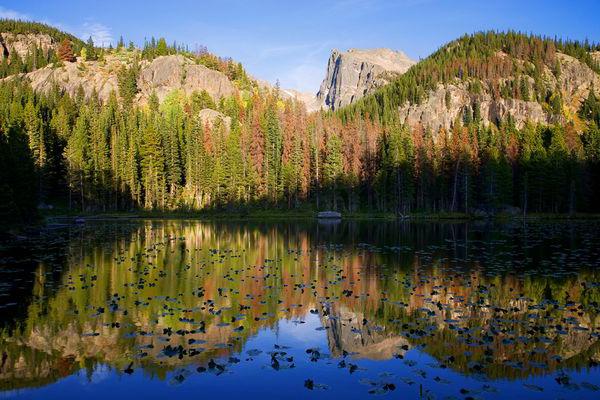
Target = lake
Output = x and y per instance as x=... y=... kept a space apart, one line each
x=302 y=309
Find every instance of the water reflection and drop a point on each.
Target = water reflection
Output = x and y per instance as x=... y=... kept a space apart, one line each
x=175 y=299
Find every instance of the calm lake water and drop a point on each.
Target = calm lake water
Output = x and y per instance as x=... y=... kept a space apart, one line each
x=189 y=309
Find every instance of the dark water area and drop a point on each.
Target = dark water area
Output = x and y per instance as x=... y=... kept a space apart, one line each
x=298 y=309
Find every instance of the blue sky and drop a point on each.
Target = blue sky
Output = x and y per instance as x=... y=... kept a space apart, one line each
x=291 y=40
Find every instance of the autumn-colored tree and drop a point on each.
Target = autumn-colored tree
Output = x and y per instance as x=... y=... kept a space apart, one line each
x=65 y=51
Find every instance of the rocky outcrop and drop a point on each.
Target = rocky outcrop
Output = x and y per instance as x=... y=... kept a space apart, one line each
x=355 y=73
x=574 y=81
x=168 y=73
x=211 y=117
x=362 y=341
x=162 y=76
x=434 y=113
x=90 y=76
x=447 y=103
x=22 y=43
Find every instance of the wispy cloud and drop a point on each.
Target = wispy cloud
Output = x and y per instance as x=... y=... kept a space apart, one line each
x=12 y=14
x=100 y=33
x=305 y=77
x=306 y=66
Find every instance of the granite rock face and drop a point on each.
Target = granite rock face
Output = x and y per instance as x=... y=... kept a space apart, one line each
x=446 y=103
x=22 y=43
x=162 y=76
x=355 y=73
x=167 y=73
x=90 y=76
x=434 y=113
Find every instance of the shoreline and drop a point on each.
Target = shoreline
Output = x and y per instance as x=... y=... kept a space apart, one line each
x=310 y=215
x=53 y=219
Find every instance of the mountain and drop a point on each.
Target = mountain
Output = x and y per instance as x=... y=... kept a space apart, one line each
x=309 y=100
x=446 y=103
x=490 y=77
x=162 y=75
x=478 y=127
x=352 y=74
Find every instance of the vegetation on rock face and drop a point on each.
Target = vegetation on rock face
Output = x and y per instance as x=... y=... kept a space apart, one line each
x=29 y=27
x=484 y=58
x=234 y=70
x=37 y=57
x=114 y=155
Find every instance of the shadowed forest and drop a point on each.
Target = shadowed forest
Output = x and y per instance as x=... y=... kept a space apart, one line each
x=80 y=154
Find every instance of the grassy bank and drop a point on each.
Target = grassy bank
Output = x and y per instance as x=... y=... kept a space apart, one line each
x=283 y=214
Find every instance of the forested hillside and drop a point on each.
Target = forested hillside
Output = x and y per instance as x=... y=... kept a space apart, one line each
x=81 y=153
x=502 y=63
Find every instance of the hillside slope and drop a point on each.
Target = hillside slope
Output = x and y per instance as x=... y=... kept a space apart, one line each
x=161 y=76
x=20 y=37
x=490 y=77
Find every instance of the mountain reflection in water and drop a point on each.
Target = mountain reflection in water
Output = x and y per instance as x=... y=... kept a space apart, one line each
x=297 y=308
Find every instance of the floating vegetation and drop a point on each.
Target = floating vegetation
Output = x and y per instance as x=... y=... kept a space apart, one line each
x=356 y=309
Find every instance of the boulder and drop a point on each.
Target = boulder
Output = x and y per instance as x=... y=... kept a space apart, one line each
x=210 y=117
x=329 y=215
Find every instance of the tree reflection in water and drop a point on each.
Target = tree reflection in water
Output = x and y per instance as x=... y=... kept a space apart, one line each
x=174 y=298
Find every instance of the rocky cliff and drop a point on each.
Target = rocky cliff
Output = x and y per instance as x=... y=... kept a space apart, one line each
x=168 y=73
x=446 y=103
x=161 y=75
x=22 y=43
x=355 y=73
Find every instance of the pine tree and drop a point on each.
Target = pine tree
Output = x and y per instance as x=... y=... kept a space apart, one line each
x=333 y=166
x=90 y=50
x=162 y=48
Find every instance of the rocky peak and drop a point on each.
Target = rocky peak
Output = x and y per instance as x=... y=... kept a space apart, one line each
x=355 y=73
x=308 y=99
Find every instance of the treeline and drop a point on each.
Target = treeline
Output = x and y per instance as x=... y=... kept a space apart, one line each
x=477 y=59
x=98 y=157
x=30 y=27
x=86 y=155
